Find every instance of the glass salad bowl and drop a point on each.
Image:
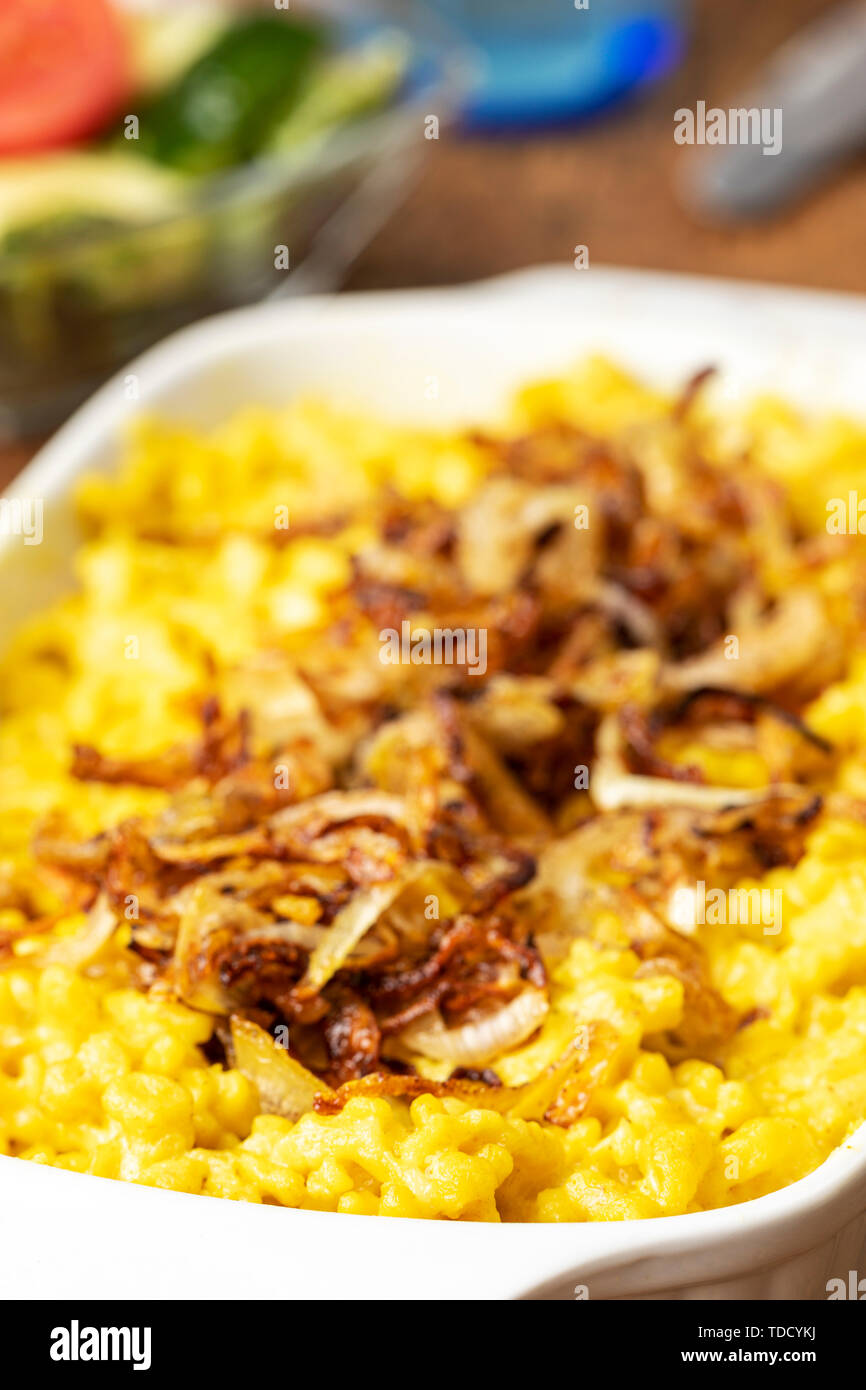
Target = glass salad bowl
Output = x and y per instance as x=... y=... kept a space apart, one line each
x=106 y=248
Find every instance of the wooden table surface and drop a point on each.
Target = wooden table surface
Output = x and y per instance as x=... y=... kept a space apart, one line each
x=487 y=206
x=490 y=206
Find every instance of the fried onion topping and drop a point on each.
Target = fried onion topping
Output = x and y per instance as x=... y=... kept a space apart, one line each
x=379 y=859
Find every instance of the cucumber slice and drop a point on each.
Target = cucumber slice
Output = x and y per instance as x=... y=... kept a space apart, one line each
x=346 y=87
x=224 y=107
x=60 y=189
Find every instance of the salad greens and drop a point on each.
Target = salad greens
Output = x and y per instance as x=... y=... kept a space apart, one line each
x=221 y=111
x=110 y=242
x=260 y=86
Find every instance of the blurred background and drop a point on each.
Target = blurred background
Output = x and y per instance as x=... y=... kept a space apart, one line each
x=489 y=205
x=160 y=162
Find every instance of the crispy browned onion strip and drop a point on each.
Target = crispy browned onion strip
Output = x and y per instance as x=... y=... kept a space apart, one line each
x=379 y=857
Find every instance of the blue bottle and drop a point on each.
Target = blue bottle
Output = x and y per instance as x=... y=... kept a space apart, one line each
x=550 y=61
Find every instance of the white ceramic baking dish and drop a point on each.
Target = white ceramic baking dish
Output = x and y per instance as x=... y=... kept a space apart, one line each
x=431 y=356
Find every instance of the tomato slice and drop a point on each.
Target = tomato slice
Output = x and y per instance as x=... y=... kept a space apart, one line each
x=64 y=70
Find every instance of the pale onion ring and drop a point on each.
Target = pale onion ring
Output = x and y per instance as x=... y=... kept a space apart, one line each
x=474 y=1044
